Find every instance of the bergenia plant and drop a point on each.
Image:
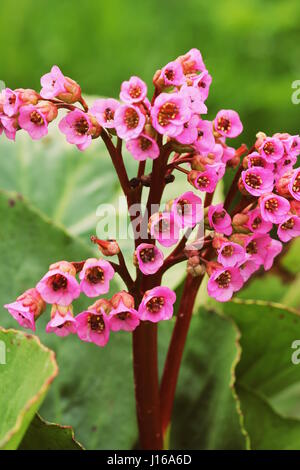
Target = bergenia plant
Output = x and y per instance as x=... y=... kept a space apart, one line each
x=225 y=241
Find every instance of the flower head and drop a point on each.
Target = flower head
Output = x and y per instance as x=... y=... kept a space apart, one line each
x=133 y=91
x=143 y=147
x=205 y=181
x=129 y=122
x=294 y=184
x=258 y=181
x=77 y=127
x=32 y=120
x=157 y=304
x=187 y=209
x=95 y=277
x=164 y=228
x=289 y=229
x=192 y=62
x=202 y=82
x=224 y=282
x=62 y=321
x=27 y=308
x=149 y=258
x=274 y=208
x=231 y=254
x=93 y=325
x=59 y=285
x=219 y=219
x=256 y=223
x=205 y=139
x=104 y=110
x=228 y=123
x=123 y=318
x=12 y=102
x=274 y=249
x=52 y=83
x=172 y=74
x=169 y=113
x=272 y=149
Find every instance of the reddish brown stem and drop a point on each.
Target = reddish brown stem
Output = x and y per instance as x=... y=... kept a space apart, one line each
x=174 y=356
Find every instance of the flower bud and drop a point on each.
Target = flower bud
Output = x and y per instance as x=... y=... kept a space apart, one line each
x=199 y=162
x=238 y=223
x=295 y=207
x=282 y=185
x=260 y=138
x=123 y=296
x=239 y=238
x=28 y=96
x=101 y=305
x=72 y=93
x=218 y=241
x=107 y=247
x=211 y=266
x=63 y=266
x=195 y=267
x=48 y=109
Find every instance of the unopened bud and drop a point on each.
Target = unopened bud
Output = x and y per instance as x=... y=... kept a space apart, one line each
x=72 y=93
x=48 y=109
x=107 y=247
x=101 y=305
x=64 y=266
x=198 y=162
x=28 y=96
x=123 y=296
x=239 y=238
x=260 y=138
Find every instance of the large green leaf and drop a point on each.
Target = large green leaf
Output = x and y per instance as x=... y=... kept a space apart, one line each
x=94 y=390
x=26 y=372
x=206 y=412
x=42 y=435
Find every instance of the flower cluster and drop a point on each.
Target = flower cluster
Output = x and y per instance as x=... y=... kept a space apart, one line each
x=59 y=288
x=239 y=235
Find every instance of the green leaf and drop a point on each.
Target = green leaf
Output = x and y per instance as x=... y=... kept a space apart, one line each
x=266 y=373
x=42 y=435
x=94 y=390
x=26 y=373
x=206 y=411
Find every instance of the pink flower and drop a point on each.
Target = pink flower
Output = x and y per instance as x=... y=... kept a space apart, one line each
x=169 y=113
x=274 y=208
x=187 y=209
x=149 y=257
x=32 y=120
x=123 y=318
x=224 y=282
x=157 y=304
x=172 y=74
x=190 y=131
x=231 y=254
x=292 y=146
x=272 y=149
x=257 y=160
x=289 y=229
x=256 y=223
x=62 y=321
x=203 y=82
x=93 y=326
x=133 y=91
x=294 y=184
x=27 y=308
x=205 y=181
x=95 y=277
x=104 y=110
x=12 y=102
x=219 y=219
x=164 y=228
x=59 y=285
x=77 y=127
x=194 y=97
x=143 y=147
x=9 y=125
x=205 y=141
x=52 y=83
x=129 y=122
x=256 y=247
x=274 y=249
x=192 y=62
x=258 y=181
x=228 y=123
x=247 y=268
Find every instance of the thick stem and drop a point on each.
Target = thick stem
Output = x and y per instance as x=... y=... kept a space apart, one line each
x=147 y=386
x=174 y=356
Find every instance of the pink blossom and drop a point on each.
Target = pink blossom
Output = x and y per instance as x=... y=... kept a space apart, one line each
x=143 y=147
x=272 y=149
x=258 y=181
x=228 y=123
x=32 y=120
x=205 y=140
x=257 y=246
x=59 y=285
x=289 y=229
x=224 y=282
x=12 y=102
x=194 y=97
x=274 y=208
x=133 y=91
x=172 y=74
x=247 y=268
x=157 y=304
x=190 y=131
x=169 y=114
x=274 y=248
x=231 y=254
x=149 y=257
x=187 y=209
x=62 y=321
x=77 y=127
x=104 y=110
x=123 y=318
x=256 y=223
x=192 y=62
x=228 y=154
x=27 y=308
x=203 y=82
x=52 y=83
x=254 y=159
x=9 y=125
x=129 y=122
x=93 y=326
x=205 y=181
x=292 y=146
x=164 y=228
x=219 y=219
x=95 y=277
x=294 y=184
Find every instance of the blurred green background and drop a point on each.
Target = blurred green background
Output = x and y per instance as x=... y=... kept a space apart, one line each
x=251 y=48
